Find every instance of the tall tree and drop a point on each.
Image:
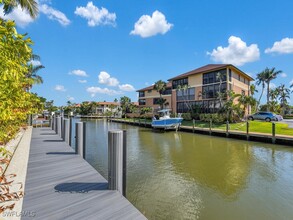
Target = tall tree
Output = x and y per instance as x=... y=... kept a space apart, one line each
x=260 y=80
x=284 y=95
x=125 y=103
x=269 y=75
x=30 y=5
x=252 y=89
x=160 y=86
x=32 y=76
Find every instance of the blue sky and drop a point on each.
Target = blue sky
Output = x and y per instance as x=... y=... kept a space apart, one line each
x=102 y=50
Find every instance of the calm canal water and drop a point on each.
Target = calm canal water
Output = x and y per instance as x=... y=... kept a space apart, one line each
x=188 y=176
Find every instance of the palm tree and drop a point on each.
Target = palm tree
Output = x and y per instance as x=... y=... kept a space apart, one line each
x=160 y=86
x=269 y=75
x=274 y=93
x=284 y=94
x=32 y=76
x=30 y=5
x=125 y=102
x=260 y=80
x=252 y=89
x=246 y=101
x=229 y=107
x=221 y=95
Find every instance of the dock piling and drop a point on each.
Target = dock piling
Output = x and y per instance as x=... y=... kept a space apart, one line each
x=247 y=130
x=80 y=132
x=66 y=130
x=227 y=128
x=70 y=131
x=59 y=126
x=273 y=133
x=115 y=160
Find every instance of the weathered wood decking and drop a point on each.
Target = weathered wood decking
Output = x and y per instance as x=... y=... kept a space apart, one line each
x=61 y=185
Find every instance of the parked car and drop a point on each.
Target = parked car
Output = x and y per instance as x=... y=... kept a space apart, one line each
x=267 y=116
x=279 y=117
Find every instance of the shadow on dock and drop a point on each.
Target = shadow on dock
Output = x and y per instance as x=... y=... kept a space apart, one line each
x=78 y=187
x=61 y=153
x=47 y=134
x=53 y=141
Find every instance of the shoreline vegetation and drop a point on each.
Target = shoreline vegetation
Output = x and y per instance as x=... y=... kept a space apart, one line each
x=254 y=126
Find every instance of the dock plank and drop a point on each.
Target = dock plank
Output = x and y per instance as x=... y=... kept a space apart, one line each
x=61 y=185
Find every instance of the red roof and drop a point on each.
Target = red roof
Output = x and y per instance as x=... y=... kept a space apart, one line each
x=208 y=68
x=169 y=85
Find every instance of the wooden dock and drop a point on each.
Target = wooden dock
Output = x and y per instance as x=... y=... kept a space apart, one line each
x=61 y=185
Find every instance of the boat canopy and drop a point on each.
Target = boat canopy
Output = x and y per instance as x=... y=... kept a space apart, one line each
x=165 y=110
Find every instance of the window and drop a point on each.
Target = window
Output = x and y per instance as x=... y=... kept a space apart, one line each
x=167 y=91
x=230 y=75
x=156 y=101
x=214 y=77
x=149 y=91
x=141 y=101
x=179 y=82
x=211 y=91
x=188 y=94
x=183 y=107
x=141 y=94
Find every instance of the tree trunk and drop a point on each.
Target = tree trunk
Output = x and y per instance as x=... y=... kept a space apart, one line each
x=268 y=96
x=256 y=107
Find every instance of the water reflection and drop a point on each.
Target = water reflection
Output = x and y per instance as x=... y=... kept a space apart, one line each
x=187 y=176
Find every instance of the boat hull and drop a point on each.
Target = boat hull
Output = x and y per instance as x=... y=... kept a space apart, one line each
x=170 y=123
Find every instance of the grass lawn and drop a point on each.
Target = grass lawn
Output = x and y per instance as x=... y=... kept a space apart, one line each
x=254 y=126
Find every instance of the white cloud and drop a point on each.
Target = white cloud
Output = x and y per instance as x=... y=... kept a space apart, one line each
x=21 y=17
x=60 y=88
x=94 y=90
x=70 y=98
x=82 y=81
x=105 y=78
x=283 y=75
x=237 y=52
x=96 y=16
x=283 y=46
x=54 y=14
x=126 y=88
x=148 y=26
x=78 y=73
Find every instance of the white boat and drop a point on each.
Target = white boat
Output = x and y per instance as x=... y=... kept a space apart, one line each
x=165 y=121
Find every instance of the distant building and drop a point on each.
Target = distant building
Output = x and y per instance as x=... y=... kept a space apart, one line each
x=103 y=107
x=202 y=86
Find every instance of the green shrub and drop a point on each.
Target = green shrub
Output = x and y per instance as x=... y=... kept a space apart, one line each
x=216 y=118
x=186 y=116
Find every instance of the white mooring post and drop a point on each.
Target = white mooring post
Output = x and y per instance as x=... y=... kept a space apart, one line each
x=80 y=128
x=59 y=126
x=55 y=124
x=62 y=128
x=115 y=160
x=70 y=130
x=66 y=130
x=52 y=121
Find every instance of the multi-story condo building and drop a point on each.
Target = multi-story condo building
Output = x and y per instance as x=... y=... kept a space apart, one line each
x=149 y=97
x=201 y=87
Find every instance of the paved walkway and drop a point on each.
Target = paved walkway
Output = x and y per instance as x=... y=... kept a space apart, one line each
x=61 y=185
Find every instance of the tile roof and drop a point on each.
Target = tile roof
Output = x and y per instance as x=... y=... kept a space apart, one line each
x=169 y=85
x=207 y=68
